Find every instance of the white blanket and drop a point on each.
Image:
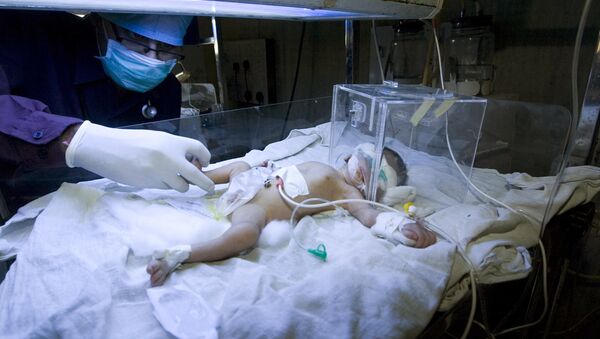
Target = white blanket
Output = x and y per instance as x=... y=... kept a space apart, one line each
x=86 y=256
x=82 y=274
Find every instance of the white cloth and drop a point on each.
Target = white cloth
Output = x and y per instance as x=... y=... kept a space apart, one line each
x=87 y=283
x=84 y=265
x=294 y=183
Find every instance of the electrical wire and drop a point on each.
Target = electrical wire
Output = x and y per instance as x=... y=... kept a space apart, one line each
x=298 y=59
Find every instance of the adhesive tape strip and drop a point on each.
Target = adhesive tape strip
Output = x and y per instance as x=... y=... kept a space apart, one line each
x=421 y=111
x=444 y=107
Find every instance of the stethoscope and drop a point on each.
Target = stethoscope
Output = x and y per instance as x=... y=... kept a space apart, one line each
x=149 y=111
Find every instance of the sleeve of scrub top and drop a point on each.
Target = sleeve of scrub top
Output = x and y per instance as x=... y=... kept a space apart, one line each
x=27 y=128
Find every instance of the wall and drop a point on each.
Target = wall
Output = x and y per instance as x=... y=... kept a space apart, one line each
x=534 y=46
x=322 y=60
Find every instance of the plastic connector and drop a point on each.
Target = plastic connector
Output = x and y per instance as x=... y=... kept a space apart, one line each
x=319 y=252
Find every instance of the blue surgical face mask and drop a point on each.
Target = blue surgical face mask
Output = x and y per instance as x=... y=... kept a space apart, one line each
x=132 y=70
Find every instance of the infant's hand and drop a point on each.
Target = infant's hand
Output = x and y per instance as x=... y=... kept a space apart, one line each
x=158 y=270
x=165 y=261
x=422 y=236
x=197 y=163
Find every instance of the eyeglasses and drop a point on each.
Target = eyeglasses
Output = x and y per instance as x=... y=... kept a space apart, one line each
x=138 y=43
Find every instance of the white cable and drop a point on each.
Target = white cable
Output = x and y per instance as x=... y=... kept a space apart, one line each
x=575 y=101
x=575 y=60
x=374 y=34
x=439 y=55
x=532 y=219
x=574 y=122
x=427 y=224
x=471 y=184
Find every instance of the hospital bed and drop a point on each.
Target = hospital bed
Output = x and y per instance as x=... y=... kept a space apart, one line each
x=82 y=250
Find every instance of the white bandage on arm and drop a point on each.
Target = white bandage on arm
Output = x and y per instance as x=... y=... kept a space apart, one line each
x=173 y=256
x=389 y=225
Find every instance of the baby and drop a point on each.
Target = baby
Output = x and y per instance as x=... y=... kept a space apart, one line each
x=300 y=182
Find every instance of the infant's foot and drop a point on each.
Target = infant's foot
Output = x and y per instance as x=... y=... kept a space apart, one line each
x=159 y=271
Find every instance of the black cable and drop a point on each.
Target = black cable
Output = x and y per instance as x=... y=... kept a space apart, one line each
x=287 y=115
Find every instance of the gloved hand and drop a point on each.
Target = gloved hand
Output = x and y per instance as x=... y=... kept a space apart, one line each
x=141 y=158
x=166 y=261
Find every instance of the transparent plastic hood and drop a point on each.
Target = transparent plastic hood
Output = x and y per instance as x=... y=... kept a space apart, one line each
x=405 y=120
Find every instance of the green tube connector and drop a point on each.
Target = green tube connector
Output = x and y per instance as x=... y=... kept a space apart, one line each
x=319 y=252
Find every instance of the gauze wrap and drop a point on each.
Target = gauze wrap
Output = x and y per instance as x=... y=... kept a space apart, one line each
x=242 y=188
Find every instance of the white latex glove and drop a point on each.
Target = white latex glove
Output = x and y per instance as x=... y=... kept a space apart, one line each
x=141 y=158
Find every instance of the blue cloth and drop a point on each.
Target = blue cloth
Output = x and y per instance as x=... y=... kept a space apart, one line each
x=166 y=28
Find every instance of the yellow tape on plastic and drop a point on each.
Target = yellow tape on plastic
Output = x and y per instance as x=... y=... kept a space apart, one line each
x=444 y=107
x=421 y=111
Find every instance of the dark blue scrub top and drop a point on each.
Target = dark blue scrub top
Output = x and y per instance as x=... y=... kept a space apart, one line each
x=51 y=57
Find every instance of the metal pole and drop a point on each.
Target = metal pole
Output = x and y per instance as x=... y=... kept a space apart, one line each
x=349 y=34
x=219 y=62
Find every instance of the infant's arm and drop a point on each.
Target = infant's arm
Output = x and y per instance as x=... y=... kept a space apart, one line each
x=224 y=173
x=364 y=212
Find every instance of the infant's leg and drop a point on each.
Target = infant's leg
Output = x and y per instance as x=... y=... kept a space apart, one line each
x=246 y=224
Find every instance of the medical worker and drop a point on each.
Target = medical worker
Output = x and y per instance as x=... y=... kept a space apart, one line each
x=65 y=81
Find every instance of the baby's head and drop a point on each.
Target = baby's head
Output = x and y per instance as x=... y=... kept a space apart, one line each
x=358 y=168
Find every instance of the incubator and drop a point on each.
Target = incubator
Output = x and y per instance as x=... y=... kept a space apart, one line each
x=403 y=117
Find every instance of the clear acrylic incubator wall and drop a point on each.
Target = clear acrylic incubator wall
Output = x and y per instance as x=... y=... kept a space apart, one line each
x=406 y=119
